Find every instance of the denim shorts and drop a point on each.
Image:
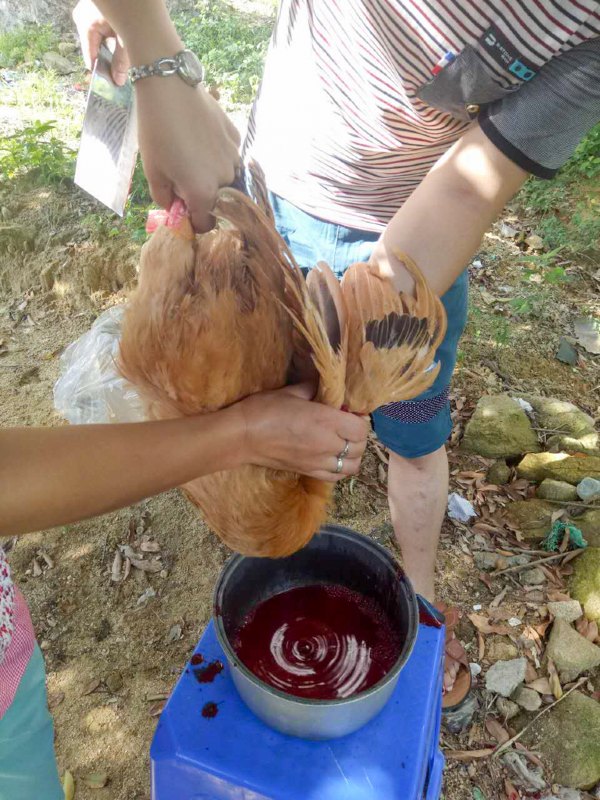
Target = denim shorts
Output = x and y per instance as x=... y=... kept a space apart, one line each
x=27 y=762
x=415 y=427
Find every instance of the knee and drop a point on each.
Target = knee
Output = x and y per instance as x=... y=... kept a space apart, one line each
x=421 y=464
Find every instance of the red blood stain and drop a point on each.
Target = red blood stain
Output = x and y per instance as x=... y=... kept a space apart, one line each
x=210 y=710
x=196 y=659
x=208 y=673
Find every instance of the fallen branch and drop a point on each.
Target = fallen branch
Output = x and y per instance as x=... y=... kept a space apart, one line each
x=520 y=567
x=501 y=748
x=570 y=503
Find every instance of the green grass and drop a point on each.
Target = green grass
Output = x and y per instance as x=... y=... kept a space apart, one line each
x=27 y=44
x=34 y=154
x=568 y=207
x=230 y=44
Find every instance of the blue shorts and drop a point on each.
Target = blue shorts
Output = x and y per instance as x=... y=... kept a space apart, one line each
x=415 y=427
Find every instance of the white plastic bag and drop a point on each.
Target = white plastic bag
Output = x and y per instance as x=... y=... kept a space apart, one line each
x=90 y=388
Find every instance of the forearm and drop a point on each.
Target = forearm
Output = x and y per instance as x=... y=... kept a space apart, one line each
x=442 y=223
x=144 y=26
x=55 y=476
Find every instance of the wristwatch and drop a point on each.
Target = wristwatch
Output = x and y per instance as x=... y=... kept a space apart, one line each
x=185 y=64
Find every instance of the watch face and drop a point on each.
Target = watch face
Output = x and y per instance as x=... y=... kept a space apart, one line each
x=190 y=68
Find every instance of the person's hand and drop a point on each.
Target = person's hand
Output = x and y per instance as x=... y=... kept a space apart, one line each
x=93 y=28
x=284 y=431
x=188 y=145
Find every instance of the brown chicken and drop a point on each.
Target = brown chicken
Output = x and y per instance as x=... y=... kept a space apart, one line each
x=220 y=316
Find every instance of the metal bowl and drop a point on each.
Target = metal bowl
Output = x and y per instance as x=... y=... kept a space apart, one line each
x=335 y=555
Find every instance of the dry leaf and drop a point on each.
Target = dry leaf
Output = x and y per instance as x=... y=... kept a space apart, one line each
x=468 y=755
x=150 y=547
x=68 y=785
x=495 y=729
x=541 y=685
x=530 y=673
x=37 y=570
x=510 y=791
x=115 y=571
x=91 y=686
x=157 y=709
x=481 y=645
x=482 y=624
x=555 y=686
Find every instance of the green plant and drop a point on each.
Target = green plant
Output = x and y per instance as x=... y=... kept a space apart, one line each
x=26 y=44
x=34 y=153
x=230 y=43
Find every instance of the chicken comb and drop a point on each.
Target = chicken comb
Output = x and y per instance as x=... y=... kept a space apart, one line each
x=176 y=218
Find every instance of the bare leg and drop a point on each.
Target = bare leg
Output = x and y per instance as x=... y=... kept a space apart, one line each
x=418 y=494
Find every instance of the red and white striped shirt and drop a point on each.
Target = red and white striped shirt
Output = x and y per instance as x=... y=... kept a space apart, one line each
x=351 y=114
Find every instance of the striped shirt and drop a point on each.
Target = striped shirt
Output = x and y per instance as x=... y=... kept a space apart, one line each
x=361 y=97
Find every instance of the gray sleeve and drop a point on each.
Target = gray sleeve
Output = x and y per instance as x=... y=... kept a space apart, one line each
x=540 y=124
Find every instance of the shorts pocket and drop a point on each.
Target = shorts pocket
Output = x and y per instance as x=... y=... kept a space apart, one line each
x=463 y=86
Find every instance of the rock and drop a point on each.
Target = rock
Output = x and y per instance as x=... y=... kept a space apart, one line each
x=567 y=610
x=562 y=793
x=589 y=524
x=507 y=708
x=532 y=577
x=578 y=431
x=58 y=63
x=382 y=533
x=524 y=774
x=556 y=490
x=566 y=352
x=528 y=699
x=573 y=469
x=488 y=561
x=114 y=682
x=571 y=653
x=588 y=489
x=67 y=48
x=587 y=332
x=499 y=428
x=499 y=648
x=533 y=465
x=535 y=242
x=531 y=517
x=508 y=231
x=503 y=677
x=498 y=473
x=585 y=583
x=569 y=737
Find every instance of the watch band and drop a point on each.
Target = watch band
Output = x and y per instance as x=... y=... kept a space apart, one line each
x=185 y=64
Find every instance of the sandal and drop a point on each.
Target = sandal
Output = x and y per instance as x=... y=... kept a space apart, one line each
x=456 y=662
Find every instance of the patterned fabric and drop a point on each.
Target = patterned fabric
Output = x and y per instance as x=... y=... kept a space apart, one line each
x=416 y=411
x=7 y=605
x=17 y=654
x=360 y=98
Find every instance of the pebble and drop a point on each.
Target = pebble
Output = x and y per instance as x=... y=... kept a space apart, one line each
x=507 y=708
x=588 y=489
x=533 y=577
x=504 y=677
x=566 y=352
x=569 y=610
x=528 y=699
x=514 y=622
x=477 y=607
x=475 y=669
x=114 y=681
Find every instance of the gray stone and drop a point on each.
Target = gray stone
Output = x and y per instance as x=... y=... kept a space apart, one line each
x=569 y=737
x=532 y=577
x=566 y=352
x=573 y=469
x=589 y=524
x=58 y=63
x=585 y=583
x=571 y=652
x=528 y=699
x=556 y=490
x=577 y=429
x=504 y=677
x=588 y=489
x=532 y=518
x=562 y=793
x=500 y=648
x=67 y=48
x=507 y=708
x=499 y=428
x=567 y=610
x=486 y=561
x=498 y=473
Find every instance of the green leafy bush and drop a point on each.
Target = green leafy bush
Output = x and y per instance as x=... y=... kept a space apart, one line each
x=230 y=44
x=26 y=44
x=34 y=153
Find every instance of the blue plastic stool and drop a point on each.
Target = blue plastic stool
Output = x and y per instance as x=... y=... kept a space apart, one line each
x=234 y=756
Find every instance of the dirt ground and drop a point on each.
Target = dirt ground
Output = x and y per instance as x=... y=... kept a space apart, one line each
x=114 y=651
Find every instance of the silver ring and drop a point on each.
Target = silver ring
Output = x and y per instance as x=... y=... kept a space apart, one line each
x=345 y=451
x=340 y=465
